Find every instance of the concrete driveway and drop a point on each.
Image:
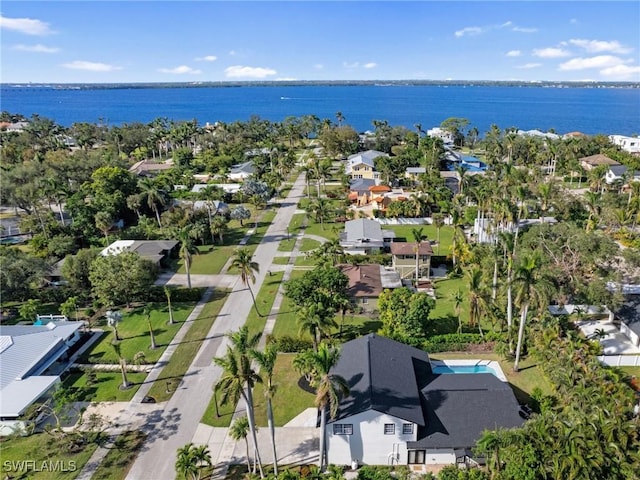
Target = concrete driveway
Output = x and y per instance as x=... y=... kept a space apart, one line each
x=220 y=280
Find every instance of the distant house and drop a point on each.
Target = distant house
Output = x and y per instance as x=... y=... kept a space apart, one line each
x=54 y=275
x=145 y=168
x=364 y=236
x=444 y=135
x=213 y=206
x=399 y=412
x=226 y=187
x=367 y=282
x=32 y=358
x=620 y=173
x=156 y=251
x=593 y=161
x=361 y=165
x=359 y=192
x=628 y=144
x=538 y=133
x=413 y=173
x=404 y=259
x=629 y=315
x=242 y=171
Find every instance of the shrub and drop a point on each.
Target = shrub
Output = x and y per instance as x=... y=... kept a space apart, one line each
x=156 y=294
x=289 y=344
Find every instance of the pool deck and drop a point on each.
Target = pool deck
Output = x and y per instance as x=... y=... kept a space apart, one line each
x=492 y=364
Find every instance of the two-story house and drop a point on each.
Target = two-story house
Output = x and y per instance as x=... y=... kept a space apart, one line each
x=364 y=236
x=361 y=165
x=404 y=258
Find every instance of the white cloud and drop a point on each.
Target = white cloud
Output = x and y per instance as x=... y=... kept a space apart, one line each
x=621 y=72
x=573 y=21
x=38 y=48
x=525 y=29
x=514 y=53
x=469 y=31
x=232 y=52
x=91 y=66
x=598 y=46
x=28 y=26
x=208 y=58
x=370 y=65
x=551 y=52
x=600 y=61
x=241 y=71
x=350 y=65
x=318 y=66
x=181 y=70
x=529 y=65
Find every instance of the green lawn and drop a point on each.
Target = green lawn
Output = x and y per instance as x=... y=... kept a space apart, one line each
x=134 y=333
x=264 y=299
x=445 y=291
x=39 y=448
x=430 y=231
x=329 y=230
x=280 y=260
x=309 y=244
x=286 y=245
x=303 y=260
x=188 y=348
x=209 y=260
x=120 y=458
x=289 y=400
x=106 y=387
x=286 y=320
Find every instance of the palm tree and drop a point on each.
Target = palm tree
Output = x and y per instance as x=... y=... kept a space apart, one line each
x=339 y=118
x=238 y=378
x=190 y=460
x=458 y=298
x=267 y=361
x=438 y=221
x=330 y=252
x=321 y=209
x=329 y=387
x=417 y=237
x=316 y=319
x=532 y=288
x=147 y=314
x=167 y=292
x=104 y=222
x=239 y=430
x=187 y=249
x=219 y=225
x=478 y=303
x=154 y=196
x=242 y=260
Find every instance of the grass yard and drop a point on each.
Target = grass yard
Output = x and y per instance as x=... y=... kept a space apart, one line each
x=264 y=299
x=40 y=448
x=430 y=231
x=280 y=260
x=106 y=387
x=286 y=320
x=134 y=332
x=209 y=260
x=188 y=348
x=445 y=303
x=286 y=245
x=120 y=458
x=522 y=383
x=309 y=244
x=329 y=230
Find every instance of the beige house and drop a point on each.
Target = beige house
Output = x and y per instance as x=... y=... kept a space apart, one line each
x=361 y=165
x=366 y=283
x=593 y=161
x=404 y=259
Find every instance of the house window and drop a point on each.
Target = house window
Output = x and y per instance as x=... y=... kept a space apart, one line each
x=365 y=300
x=407 y=428
x=416 y=456
x=389 y=428
x=343 y=429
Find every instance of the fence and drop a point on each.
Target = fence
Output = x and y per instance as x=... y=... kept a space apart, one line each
x=620 y=360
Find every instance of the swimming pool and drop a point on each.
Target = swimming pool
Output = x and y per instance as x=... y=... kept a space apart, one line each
x=463 y=369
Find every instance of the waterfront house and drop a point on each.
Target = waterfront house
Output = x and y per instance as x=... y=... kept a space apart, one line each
x=399 y=412
x=628 y=144
x=364 y=236
x=593 y=161
x=404 y=258
x=361 y=165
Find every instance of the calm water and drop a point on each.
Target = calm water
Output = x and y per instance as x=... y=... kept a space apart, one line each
x=588 y=110
x=463 y=369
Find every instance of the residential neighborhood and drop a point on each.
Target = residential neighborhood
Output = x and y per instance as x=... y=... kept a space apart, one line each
x=213 y=304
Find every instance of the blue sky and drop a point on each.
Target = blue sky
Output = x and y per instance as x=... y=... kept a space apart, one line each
x=184 y=41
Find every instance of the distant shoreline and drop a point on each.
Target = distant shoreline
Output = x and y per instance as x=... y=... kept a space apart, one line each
x=326 y=83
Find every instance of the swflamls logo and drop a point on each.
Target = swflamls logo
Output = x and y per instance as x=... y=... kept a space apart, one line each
x=39 y=466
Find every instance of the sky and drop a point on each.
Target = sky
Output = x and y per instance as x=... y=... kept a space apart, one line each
x=205 y=41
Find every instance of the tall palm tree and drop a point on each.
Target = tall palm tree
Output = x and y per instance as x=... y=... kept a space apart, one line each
x=239 y=430
x=147 y=314
x=330 y=252
x=532 y=288
x=238 y=378
x=167 y=292
x=438 y=221
x=458 y=298
x=153 y=195
x=321 y=209
x=242 y=260
x=267 y=361
x=478 y=303
x=416 y=233
x=187 y=249
x=219 y=225
x=316 y=319
x=329 y=386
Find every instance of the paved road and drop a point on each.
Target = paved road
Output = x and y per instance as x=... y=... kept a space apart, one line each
x=176 y=424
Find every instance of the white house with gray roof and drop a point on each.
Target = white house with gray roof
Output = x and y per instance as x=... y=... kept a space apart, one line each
x=398 y=412
x=31 y=359
x=364 y=236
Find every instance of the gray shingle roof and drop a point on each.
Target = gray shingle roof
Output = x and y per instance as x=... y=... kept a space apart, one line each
x=362 y=228
x=459 y=407
x=379 y=372
x=629 y=312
